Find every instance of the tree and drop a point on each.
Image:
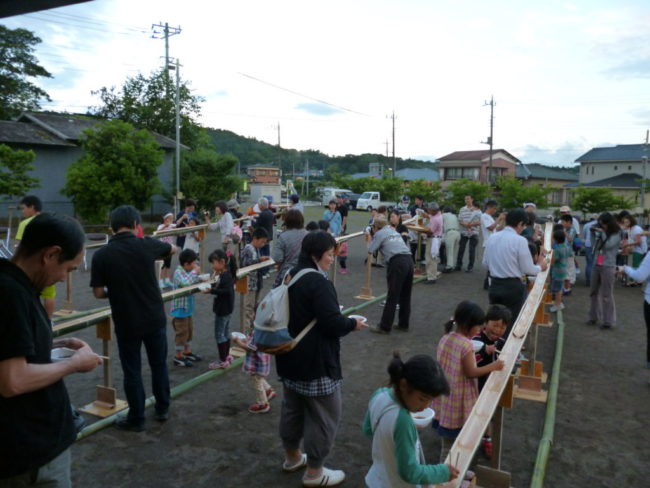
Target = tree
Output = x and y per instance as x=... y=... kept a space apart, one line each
x=14 y=166
x=458 y=189
x=17 y=64
x=119 y=166
x=149 y=103
x=207 y=176
x=588 y=199
x=513 y=193
x=429 y=190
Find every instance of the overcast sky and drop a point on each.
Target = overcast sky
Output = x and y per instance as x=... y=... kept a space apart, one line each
x=565 y=76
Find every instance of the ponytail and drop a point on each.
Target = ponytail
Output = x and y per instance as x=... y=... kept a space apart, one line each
x=231 y=262
x=395 y=369
x=421 y=373
x=449 y=325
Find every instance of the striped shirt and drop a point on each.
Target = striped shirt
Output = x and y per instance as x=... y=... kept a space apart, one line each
x=469 y=215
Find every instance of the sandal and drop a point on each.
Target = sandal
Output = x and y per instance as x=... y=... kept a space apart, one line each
x=290 y=468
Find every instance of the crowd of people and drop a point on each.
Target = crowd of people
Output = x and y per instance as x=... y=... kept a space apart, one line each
x=124 y=272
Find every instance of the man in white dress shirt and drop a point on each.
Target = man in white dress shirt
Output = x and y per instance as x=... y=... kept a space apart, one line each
x=508 y=259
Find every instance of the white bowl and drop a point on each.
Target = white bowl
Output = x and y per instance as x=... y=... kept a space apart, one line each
x=361 y=317
x=423 y=419
x=478 y=345
x=205 y=286
x=61 y=353
x=204 y=276
x=238 y=335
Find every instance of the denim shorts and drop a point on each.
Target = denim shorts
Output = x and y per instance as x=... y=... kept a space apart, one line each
x=556 y=285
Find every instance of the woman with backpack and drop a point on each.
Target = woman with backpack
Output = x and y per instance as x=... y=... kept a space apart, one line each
x=288 y=244
x=311 y=371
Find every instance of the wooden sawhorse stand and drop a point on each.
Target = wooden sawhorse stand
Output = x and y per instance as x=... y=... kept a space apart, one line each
x=106 y=402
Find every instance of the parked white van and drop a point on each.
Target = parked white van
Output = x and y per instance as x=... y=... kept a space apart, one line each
x=331 y=194
x=372 y=199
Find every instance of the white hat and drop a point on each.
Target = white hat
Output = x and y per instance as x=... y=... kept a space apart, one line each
x=168 y=214
x=530 y=204
x=565 y=208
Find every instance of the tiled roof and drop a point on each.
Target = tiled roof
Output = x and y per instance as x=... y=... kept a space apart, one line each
x=540 y=171
x=418 y=174
x=622 y=152
x=23 y=133
x=474 y=155
x=625 y=180
x=70 y=126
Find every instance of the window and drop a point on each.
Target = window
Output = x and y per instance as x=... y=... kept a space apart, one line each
x=629 y=168
x=592 y=170
x=261 y=172
x=615 y=167
x=556 y=197
x=458 y=173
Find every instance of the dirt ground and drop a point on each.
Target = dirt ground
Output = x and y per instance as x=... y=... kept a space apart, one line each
x=601 y=434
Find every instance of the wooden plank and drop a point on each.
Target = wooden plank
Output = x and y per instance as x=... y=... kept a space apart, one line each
x=532 y=383
x=179 y=230
x=533 y=396
x=492 y=478
x=241 y=272
x=471 y=434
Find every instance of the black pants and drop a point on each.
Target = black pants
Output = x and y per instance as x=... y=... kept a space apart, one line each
x=400 y=281
x=473 y=241
x=509 y=292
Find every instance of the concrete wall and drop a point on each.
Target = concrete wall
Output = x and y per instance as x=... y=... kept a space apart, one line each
x=259 y=191
x=599 y=171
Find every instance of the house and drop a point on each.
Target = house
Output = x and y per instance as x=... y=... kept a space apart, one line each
x=406 y=174
x=558 y=178
x=620 y=168
x=54 y=138
x=265 y=181
x=475 y=165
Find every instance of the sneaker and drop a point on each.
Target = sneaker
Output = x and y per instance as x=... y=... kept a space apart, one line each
x=456 y=268
x=161 y=416
x=182 y=362
x=469 y=269
x=566 y=292
x=430 y=282
x=270 y=394
x=192 y=357
x=378 y=330
x=219 y=364
x=125 y=424
x=259 y=408
x=554 y=309
x=328 y=477
x=487 y=447
x=343 y=271
x=401 y=329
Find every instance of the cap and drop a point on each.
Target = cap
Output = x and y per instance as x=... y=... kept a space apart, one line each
x=434 y=206
x=294 y=198
x=168 y=214
x=529 y=204
x=565 y=208
x=232 y=203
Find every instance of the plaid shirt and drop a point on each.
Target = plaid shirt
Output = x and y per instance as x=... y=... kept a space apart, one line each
x=183 y=306
x=256 y=362
x=312 y=388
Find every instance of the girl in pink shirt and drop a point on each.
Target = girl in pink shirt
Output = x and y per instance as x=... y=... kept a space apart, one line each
x=455 y=353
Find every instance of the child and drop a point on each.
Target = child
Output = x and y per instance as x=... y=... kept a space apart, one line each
x=165 y=272
x=258 y=365
x=192 y=239
x=397 y=457
x=456 y=356
x=312 y=226
x=251 y=255
x=223 y=304
x=492 y=336
x=186 y=274
x=343 y=256
x=570 y=232
x=559 y=265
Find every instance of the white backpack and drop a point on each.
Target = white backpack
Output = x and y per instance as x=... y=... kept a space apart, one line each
x=271 y=323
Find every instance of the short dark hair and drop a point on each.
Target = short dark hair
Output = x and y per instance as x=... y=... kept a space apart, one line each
x=498 y=312
x=421 y=372
x=315 y=244
x=490 y=203
x=566 y=218
x=221 y=205
x=419 y=197
x=294 y=219
x=609 y=223
x=187 y=256
x=260 y=233
x=221 y=255
x=323 y=225
x=47 y=230
x=559 y=236
x=312 y=226
x=190 y=203
x=516 y=217
x=631 y=218
x=124 y=216
x=294 y=198
x=32 y=201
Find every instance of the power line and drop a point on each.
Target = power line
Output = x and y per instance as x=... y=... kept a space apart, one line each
x=78 y=18
x=303 y=95
x=81 y=26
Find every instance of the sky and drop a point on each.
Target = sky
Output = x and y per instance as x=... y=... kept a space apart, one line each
x=564 y=76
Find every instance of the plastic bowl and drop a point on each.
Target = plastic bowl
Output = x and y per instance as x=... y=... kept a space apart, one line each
x=423 y=419
x=61 y=353
x=204 y=276
x=238 y=335
x=361 y=317
x=205 y=286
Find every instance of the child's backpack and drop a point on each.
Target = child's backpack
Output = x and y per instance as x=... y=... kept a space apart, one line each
x=271 y=323
x=236 y=234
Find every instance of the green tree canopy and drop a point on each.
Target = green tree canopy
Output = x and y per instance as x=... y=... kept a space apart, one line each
x=119 y=166
x=149 y=103
x=390 y=188
x=513 y=193
x=429 y=190
x=14 y=166
x=588 y=199
x=458 y=189
x=207 y=176
x=17 y=65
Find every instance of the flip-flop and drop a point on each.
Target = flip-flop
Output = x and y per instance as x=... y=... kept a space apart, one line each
x=290 y=468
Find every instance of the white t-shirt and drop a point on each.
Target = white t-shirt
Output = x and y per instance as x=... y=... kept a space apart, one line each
x=486 y=221
x=642 y=248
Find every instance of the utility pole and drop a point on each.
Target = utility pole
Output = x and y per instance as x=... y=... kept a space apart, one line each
x=392 y=117
x=386 y=148
x=490 y=140
x=644 y=162
x=166 y=33
x=177 y=67
x=278 y=127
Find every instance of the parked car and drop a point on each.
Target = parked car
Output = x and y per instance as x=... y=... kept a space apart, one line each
x=351 y=200
x=331 y=194
x=372 y=199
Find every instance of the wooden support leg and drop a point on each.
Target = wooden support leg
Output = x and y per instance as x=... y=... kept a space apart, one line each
x=492 y=478
x=106 y=402
x=241 y=287
x=366 y=291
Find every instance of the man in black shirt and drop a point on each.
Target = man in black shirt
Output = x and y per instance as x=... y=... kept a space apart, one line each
x=342 y=208
x=265 y=220
x=36 y=425
x=123 y=271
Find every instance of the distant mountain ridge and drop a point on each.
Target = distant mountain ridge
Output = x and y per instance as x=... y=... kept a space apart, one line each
x=250 y=151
